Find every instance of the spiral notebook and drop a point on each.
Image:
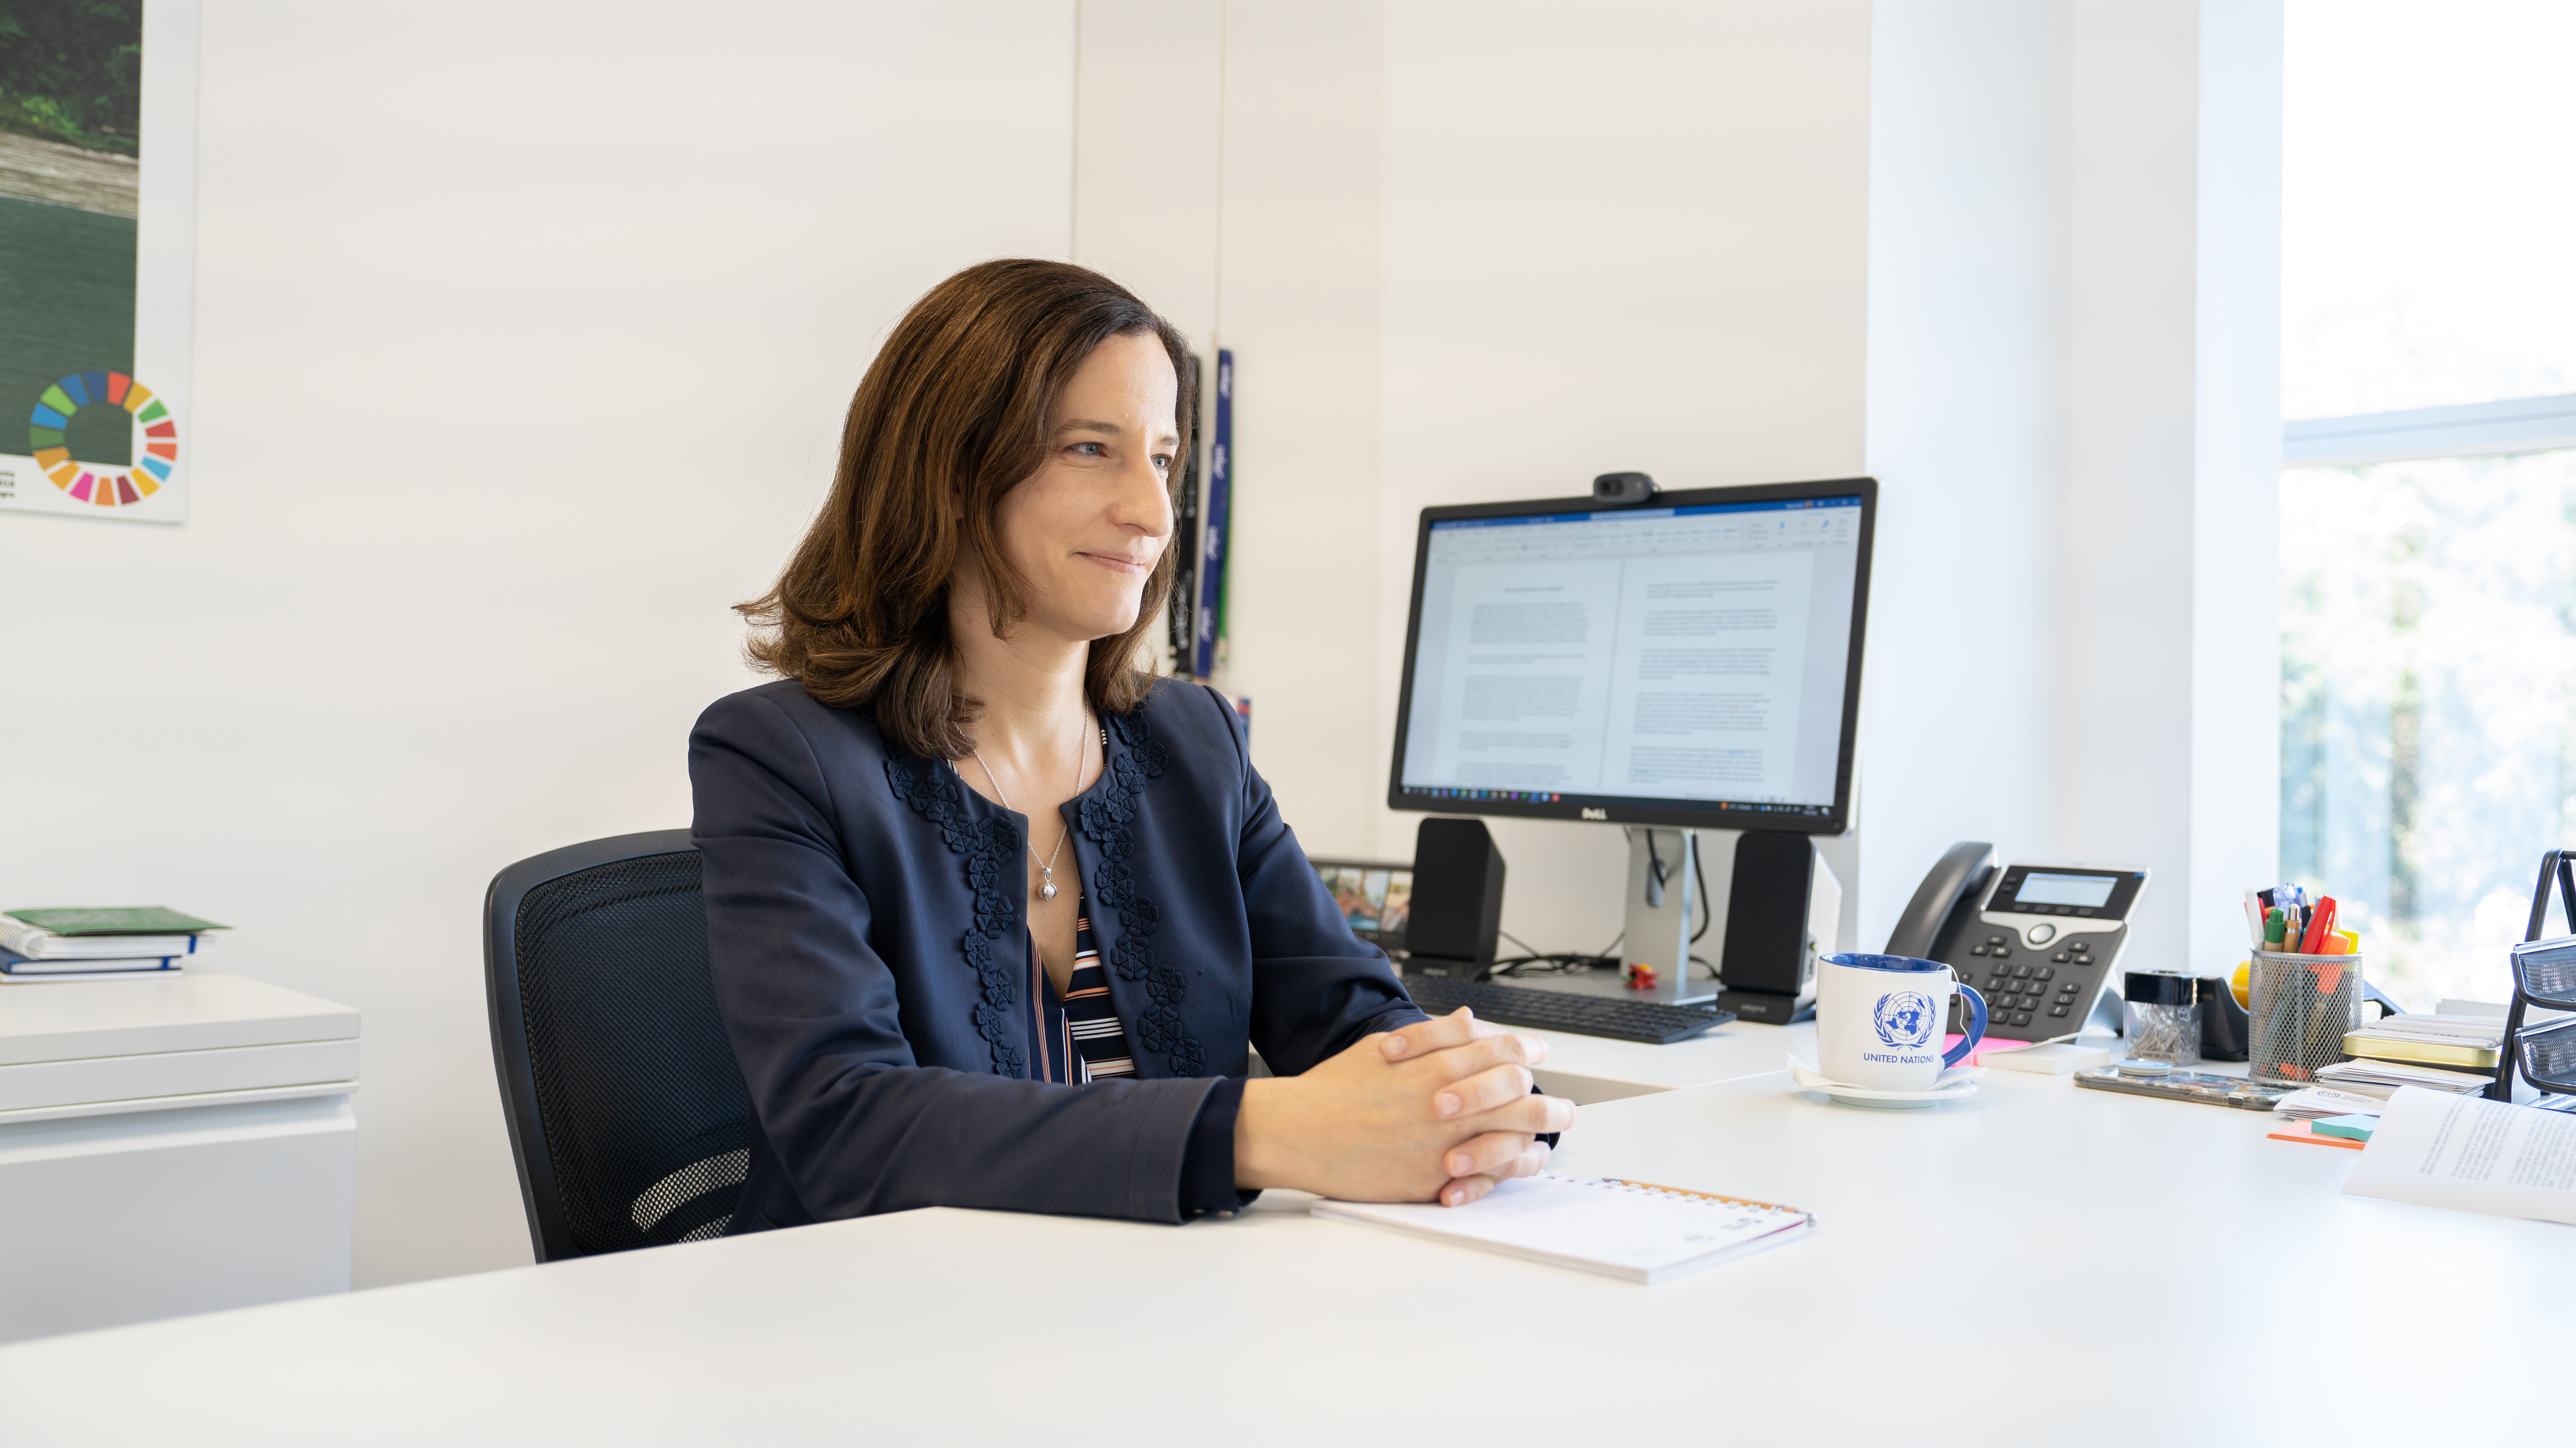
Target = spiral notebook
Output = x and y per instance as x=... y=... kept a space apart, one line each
x=1636 y=1230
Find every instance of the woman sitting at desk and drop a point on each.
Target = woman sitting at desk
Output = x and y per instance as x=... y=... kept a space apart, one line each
x=993 y=916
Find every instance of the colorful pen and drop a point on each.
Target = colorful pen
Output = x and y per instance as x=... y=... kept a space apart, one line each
x=2314 y=942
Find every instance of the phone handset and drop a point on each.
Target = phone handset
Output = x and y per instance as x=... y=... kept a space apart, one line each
x=1945 y=901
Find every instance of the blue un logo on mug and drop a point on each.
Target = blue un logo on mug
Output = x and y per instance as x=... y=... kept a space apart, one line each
x=1903 y=1018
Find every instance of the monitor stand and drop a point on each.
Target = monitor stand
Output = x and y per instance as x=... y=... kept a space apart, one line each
x=1660 y=920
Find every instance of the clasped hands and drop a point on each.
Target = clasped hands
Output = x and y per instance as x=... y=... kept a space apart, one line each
x=1439 y=1111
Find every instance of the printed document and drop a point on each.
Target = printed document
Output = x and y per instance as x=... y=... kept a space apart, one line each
x=1675 y=677
x=2441 y=1150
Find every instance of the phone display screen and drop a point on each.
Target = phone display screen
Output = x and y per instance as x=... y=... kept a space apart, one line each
x=2028 y=889
x=2039 y=889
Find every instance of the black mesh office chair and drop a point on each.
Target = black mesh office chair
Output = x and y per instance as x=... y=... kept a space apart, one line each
x=626 y=1110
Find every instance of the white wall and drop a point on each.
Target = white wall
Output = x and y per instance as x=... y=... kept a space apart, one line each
x=1149 y=158
x=2013 y=257
x=517 y=363
x=1967 y=434
x=1299 y=303
x=2168 y=735
x=2236 y=476
x=1466 y=252
x=1617 y=237
x=523 y=334
x=2073 y=381
x=2122 y=778
x=1229 y=171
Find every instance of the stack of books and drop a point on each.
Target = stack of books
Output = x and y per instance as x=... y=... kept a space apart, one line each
x=58 y=945
x=2445 y=1053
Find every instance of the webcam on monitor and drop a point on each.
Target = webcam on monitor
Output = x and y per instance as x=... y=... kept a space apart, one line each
x=1624 y=488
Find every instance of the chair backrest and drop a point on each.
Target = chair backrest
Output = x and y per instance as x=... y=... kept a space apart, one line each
x=627 y=1113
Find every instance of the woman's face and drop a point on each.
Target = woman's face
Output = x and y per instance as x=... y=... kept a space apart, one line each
x=1086 y=528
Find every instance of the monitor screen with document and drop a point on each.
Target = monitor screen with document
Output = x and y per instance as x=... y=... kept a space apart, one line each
x=1692 y=662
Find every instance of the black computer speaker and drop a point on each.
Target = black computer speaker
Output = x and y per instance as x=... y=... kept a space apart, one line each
x=1457 y=899
x=1766 y=913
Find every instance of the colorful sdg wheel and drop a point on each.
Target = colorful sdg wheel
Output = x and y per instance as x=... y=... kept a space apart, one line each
x=89 y=482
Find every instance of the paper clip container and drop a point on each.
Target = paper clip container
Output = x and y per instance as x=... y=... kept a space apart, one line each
x=2161 y=1017
x=2302 y=1006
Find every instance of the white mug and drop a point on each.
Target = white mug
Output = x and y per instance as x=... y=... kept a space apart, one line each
x=1879 y=1021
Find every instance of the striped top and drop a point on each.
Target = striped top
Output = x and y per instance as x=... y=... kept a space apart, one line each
x=1092 y=1043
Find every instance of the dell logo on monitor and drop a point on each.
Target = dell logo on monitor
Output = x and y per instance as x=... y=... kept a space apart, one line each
x=1595 y=814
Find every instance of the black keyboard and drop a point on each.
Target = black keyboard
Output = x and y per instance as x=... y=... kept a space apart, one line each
x=1557 y=1010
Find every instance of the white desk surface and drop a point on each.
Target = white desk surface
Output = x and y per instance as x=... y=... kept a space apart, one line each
x=2052 y=1266
x=196 y=1010
x=1590 y=1069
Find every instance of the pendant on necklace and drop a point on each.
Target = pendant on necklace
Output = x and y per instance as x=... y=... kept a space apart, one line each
x=1047 y=890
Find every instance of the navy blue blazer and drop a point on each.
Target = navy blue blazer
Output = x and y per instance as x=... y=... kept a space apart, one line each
x=865 y=930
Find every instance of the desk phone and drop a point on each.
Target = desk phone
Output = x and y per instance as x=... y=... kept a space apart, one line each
x=2039 y=941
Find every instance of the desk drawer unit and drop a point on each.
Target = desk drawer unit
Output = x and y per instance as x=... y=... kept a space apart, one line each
x=170 y=1147
x=150 y=1214
x=34 y=1085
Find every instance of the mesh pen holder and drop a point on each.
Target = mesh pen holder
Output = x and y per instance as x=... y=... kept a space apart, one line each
x=2302 y=1006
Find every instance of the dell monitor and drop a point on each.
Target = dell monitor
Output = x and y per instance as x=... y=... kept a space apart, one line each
x=1687 y=661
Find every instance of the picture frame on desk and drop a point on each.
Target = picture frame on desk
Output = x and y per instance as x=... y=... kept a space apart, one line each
x=1374 y=896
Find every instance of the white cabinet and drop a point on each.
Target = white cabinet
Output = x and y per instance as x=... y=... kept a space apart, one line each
x=171 y=1146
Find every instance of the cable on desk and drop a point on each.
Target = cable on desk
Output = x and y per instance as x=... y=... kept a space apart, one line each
x=1556 y=962
x=1707 y=912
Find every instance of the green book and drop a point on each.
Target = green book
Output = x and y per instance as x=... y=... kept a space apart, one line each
x=2351 y=1128
x=133 y=920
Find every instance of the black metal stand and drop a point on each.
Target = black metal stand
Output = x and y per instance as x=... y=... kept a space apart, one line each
x=2560 y=864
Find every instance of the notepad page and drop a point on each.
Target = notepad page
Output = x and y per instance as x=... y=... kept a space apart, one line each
x=1589 y=1222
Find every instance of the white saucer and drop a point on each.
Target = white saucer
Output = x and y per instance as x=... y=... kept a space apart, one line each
x=1955 y=1083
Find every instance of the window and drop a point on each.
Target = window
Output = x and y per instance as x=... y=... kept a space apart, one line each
x=2428 y=519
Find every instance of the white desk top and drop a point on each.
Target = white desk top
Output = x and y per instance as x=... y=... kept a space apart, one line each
x=2114 y=1270
x=1590 y=1069
x=197 y=1010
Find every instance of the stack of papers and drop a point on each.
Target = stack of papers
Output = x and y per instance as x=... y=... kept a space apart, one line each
x=2318 y=1101
x=42 y=944
x=2382 y=1078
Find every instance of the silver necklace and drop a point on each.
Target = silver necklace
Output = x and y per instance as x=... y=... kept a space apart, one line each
x=1046 y=891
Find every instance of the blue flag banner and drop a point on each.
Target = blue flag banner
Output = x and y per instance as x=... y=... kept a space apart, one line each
x=1220 y=492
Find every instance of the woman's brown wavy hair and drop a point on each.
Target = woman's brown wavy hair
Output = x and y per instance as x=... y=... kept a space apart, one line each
x=951 y=416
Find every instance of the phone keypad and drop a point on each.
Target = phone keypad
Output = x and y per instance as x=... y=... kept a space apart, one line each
x=2046 y=990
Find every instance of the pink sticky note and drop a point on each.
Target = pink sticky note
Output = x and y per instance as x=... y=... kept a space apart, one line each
x=1990 y=1047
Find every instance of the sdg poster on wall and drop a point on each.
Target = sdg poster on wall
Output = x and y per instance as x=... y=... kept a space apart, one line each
x=98 y=164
